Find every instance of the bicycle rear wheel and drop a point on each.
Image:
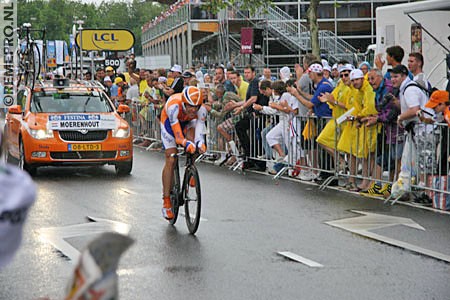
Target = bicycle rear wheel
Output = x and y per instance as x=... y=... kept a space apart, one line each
x=192 y=198
x=175 y=194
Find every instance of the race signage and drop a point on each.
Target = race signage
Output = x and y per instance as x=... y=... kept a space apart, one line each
x=112 y=62
x=81 y=121
x=105 y=39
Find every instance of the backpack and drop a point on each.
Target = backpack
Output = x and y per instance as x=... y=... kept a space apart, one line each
x=427 y=91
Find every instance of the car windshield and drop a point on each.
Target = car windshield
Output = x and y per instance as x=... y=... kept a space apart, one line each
x=57 y=102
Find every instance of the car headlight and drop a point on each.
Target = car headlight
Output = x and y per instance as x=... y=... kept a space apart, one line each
x=41 y=134
x=121 y=133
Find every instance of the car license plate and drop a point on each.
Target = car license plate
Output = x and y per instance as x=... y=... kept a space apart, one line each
x=85 y=147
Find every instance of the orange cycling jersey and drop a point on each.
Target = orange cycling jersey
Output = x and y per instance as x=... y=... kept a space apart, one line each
x=174 y=119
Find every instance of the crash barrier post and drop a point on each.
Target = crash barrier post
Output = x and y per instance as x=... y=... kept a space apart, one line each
x=145 y=122
x=136 y=124
x=266 y=131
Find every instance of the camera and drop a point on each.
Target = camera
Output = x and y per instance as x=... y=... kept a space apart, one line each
x=389 y=97
x=292 y=83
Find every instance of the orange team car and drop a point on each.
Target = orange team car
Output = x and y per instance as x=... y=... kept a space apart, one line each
x=67 y=123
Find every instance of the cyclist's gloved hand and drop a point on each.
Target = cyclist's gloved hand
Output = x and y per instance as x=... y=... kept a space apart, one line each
x=189 y=147
x=201 y=147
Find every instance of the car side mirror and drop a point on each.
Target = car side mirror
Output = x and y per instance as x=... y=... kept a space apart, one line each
x=123 y=109
x=15 y=109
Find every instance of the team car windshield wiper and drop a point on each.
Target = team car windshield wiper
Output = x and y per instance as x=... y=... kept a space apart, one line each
x=37 y=104
x=86 y=103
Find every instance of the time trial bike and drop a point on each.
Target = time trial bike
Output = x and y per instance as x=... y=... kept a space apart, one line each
x=187 y=193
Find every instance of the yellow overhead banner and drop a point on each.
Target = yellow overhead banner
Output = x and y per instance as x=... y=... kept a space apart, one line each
x=106 y=39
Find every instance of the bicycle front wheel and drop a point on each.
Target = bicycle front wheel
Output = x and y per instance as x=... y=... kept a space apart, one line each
x=192 y=198
x=175 y=194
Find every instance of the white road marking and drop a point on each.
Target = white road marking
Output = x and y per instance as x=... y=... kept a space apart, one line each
x=369 y=221
x=56 y=235
x=300 y=259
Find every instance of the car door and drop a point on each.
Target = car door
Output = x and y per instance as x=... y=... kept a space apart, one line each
x=14 y=123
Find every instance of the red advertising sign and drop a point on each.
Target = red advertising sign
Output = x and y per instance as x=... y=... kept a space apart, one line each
x=246 y=40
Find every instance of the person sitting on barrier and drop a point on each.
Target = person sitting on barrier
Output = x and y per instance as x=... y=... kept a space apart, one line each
x=219 y=110
x=286 y=107
x=337 y=100
x=182 y=123
x=226 y=128
x=391 y=139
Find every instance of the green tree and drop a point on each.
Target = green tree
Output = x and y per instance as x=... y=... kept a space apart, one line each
x=57 y=16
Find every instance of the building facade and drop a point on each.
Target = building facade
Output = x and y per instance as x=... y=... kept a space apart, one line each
x=191 y=35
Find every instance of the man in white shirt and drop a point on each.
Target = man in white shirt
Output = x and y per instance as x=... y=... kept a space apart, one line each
x=412 y=98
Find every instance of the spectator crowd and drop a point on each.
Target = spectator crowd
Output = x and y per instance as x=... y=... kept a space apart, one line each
x=315 y=121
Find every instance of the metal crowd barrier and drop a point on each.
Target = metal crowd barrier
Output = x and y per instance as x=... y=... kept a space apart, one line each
x=145 y=122
x=349 y=153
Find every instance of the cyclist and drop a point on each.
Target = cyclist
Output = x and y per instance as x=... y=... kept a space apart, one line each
x=182 y=123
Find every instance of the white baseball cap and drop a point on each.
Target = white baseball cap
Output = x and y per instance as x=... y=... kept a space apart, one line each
x=176 y=68
x=346 y=67
x=356 y=74
x=107 y=78
x=17 y=194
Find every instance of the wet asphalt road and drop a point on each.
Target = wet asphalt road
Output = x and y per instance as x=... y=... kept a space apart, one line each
x=234 y=254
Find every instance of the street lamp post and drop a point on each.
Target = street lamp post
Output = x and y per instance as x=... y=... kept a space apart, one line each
x=80 y=23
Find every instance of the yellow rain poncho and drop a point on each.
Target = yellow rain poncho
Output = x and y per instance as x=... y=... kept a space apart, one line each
x=327 y=137
x=359 y=141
